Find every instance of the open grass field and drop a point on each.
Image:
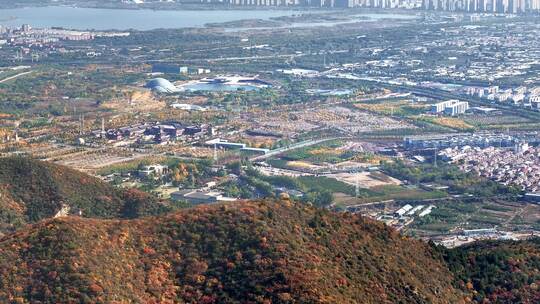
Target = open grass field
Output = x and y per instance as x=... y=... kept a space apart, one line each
x=449 y=122
x=328 y=152
x=397 y=108
x=488 y=120
x=385 y=193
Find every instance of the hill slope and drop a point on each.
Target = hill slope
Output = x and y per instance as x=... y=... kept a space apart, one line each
x=32 y=190
x=250 y=252
x=498 y=272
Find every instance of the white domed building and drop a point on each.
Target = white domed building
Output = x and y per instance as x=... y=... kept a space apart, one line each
x=161 y=85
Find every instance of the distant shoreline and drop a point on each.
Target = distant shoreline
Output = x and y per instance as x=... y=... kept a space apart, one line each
x=233 y=17
x=202 y=7
x=167 y=7
x=8 y=19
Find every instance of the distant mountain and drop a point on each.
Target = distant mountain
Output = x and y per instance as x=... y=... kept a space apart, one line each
x=32 y=190
x=249 y=252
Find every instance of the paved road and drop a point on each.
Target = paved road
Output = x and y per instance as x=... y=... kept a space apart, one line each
x=292 y=147
x=14 y=76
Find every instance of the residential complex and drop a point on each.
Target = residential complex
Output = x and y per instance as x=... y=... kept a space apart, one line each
x=519 y=166
x=472 y=6
x=450 y=107
x=521 y=95
x=405 y=4
x=458 y=140
x=483 y=6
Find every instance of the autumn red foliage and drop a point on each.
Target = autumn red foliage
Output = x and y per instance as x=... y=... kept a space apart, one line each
x=248 y=252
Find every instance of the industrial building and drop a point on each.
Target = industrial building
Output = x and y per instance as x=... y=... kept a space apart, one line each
x=197 y=197
x=155 y=132
x=169 y=69
x=483 y=140
x=403 y=210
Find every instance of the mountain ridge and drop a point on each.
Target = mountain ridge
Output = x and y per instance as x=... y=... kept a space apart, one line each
x=32 y=190
x=248 y=252
x=128 y=248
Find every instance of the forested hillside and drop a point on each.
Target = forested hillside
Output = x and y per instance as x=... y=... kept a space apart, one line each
x=245 y=252
x=498 y=272
x=250 y=252
x=32 y=190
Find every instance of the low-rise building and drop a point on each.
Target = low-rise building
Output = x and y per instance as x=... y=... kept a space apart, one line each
x=153 y=170
x=197 y=197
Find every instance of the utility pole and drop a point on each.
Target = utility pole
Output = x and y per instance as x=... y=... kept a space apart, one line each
x=102 y=127
x=81 y=131
x=357 y=188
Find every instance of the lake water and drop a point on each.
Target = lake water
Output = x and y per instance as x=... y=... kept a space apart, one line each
x=106 y=19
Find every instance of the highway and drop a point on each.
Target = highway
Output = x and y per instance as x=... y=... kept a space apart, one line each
x=442 y=94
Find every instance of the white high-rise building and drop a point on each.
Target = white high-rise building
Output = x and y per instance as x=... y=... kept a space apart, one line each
x=450 y=107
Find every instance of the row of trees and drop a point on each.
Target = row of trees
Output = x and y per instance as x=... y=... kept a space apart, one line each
x=252 y=184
